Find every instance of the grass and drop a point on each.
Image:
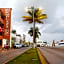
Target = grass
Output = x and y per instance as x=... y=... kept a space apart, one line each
x=29 y=57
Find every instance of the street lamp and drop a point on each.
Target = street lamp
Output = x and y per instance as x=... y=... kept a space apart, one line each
x=33 y=9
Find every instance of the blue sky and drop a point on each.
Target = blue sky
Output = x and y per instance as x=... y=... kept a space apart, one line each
x=53 y=27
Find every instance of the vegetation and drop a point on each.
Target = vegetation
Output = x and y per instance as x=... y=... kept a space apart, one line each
x=37 y=33
x=29 y=57
x=14 y=31
x=13 y=38
x=38 y=16
x=34 y=15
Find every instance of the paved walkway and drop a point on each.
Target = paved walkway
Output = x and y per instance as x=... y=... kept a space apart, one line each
x=6 y=55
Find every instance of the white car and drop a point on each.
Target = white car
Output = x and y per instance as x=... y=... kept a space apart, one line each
x=43 y=44
x=60 y=44
x=17 y=45
x=40 y=43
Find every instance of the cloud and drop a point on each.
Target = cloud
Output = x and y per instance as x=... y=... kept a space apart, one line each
x=49 y=37
x=53 y=26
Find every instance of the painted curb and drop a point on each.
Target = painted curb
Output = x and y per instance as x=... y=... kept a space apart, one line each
x=42 y=59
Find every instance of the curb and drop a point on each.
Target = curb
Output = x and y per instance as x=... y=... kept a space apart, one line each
x=42 y=58
x=14 y=57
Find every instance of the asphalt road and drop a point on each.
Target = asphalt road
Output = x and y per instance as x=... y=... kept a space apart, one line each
x=53 y=55
x=6 y=55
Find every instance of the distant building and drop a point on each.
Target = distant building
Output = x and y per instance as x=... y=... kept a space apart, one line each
x=5 y=22
x=18 y=38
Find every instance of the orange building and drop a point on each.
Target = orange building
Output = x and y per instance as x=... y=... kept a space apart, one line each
x=5 y=23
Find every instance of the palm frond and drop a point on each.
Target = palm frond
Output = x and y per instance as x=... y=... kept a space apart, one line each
x=29 y=12
x=30 y=21
x=43 y=16
x=36 y=29
x=35 y=12
x=38 y=16
x=39 y=21
x=26 y=17
x=37 y=36
x=39 y=13
x=39 y=33
x=30 y=32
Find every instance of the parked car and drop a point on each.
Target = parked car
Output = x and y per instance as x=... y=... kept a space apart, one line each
x=39 y=43
x=23 y=45
x=17 y=45
x=6 y=46
x=42 y=45
x=60 y=44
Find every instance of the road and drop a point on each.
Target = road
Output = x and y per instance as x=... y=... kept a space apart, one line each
x=53 y=55
x=6 y=55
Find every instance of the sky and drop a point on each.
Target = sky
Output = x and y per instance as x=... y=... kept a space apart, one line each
x=53 y=27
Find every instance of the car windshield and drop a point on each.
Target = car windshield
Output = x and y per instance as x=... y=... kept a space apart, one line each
x=39 y=42
x=44 y=42
x=17 y=44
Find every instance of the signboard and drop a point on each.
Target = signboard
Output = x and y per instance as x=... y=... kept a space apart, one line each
x=7 y=22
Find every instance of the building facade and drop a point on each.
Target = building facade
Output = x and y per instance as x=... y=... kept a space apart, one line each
x=5 y=23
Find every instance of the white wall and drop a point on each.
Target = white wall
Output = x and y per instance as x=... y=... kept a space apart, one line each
x=4 y=42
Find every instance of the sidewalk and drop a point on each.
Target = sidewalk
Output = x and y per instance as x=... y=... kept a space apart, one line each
x=6 y=55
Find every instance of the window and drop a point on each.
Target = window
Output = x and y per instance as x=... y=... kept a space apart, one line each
x=0 y=33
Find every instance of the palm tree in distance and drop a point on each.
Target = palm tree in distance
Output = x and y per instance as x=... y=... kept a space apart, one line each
x=14 y=35
x=37 y=33
x=35 y=15
x=14 y=31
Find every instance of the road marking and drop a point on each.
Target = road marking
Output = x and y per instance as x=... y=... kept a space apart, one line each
x=42 y=59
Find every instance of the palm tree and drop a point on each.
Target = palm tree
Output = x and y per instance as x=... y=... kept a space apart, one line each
x=37 y=33
x=38 y=16
x=14 y=31
x=34 y=16
x=13 y=38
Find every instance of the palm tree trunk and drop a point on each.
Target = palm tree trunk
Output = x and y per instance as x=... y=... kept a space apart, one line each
x=34 y=45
